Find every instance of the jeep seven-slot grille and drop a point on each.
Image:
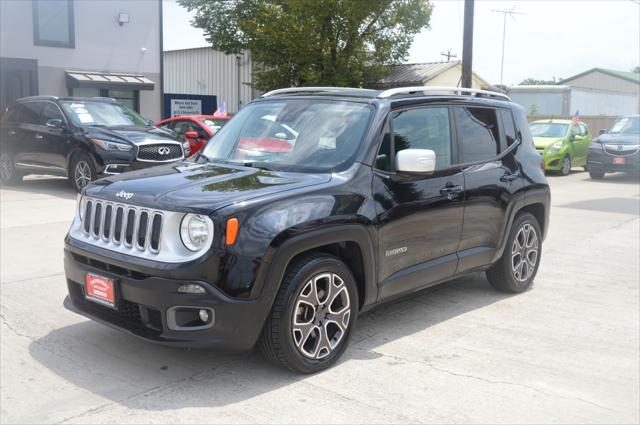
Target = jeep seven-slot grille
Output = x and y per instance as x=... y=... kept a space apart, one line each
x=119 y=224
x=160 y=152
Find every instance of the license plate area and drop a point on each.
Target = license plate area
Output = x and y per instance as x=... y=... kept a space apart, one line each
x=100 y=289
x=619 y=160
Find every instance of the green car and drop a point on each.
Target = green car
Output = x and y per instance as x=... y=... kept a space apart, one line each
x=561 y=143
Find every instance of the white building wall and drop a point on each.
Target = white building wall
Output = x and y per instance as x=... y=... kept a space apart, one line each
x=550 y=102
x=599 y=102
x=204 y=71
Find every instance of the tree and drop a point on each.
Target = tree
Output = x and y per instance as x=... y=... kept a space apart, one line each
x=534 y=82
x=313 y=42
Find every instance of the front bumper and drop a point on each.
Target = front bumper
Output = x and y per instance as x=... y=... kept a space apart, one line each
x=599 y=160
x=142 y=302
x=552 y=161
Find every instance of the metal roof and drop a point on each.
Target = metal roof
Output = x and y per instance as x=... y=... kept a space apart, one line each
x=109 y=80
x=417 y=73
x=632 y=77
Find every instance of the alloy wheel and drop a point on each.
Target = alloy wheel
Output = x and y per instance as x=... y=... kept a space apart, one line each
x=566 y=165
x=6 y=167
x=321 y=315
x=524 y=253
x=82 y=174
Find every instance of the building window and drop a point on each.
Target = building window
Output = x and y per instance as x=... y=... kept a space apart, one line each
x=129 y=98
x=53 y=23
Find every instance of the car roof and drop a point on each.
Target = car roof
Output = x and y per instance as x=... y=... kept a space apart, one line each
x=57 y=98
x=553 y=121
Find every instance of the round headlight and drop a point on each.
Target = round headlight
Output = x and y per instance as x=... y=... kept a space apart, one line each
x=556 y=146
x=194 y=231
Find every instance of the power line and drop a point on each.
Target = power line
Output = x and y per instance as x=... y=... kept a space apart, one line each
x=511 y=12
x=448 y=54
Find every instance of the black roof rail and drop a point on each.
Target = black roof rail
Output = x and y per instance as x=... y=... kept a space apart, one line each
x=328 y=90
x=44 y=97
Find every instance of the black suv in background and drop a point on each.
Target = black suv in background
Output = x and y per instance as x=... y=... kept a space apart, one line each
x=616 y=149
x=81 y=138
x=380 y=195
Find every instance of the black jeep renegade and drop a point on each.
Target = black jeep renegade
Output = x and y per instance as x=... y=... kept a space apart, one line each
x=378 y=195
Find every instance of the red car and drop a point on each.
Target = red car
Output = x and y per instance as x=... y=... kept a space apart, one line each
x=197 y=129
x=268 y=137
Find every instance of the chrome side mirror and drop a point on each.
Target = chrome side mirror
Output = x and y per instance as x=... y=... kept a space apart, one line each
x=420 y=161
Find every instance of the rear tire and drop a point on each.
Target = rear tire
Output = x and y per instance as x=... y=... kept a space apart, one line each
x=596 y=174
x=81 y=171
x=9 y=175
x=566 y=166
x=302 y=332
x=518 y=266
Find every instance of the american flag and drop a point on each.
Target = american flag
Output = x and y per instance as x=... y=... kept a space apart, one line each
x=221 y=112
x=576 y=118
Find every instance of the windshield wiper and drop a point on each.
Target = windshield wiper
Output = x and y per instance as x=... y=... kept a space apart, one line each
x=255 y=164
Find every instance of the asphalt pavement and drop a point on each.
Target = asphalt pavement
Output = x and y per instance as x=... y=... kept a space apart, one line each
x=566 y=351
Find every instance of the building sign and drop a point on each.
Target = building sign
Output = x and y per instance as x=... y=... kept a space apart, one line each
x=185 y=107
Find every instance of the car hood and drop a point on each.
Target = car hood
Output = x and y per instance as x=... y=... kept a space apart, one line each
x=202 y=188
x=135 y=135
x=544 y=142
x=621 y=139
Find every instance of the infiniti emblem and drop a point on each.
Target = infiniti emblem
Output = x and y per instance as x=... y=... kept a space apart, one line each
x=163 y=150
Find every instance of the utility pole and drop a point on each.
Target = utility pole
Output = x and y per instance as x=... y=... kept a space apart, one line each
x=505 y=12
x=448 y=54
x=467 y=44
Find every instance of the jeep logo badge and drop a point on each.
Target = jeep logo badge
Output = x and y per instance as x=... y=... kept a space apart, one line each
x=124 y=195
x=163 y=150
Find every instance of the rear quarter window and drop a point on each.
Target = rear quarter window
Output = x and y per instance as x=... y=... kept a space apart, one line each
x=478 y=133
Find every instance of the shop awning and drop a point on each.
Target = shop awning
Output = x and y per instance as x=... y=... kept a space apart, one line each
x=108 y=80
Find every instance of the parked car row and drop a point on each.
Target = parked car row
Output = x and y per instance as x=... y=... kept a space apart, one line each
x=564 y=144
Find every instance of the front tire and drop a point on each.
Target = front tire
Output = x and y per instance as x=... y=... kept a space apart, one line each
x=566 y=166
x=81 y=172
x=9 y=175
x=596 y=174
x=315 y=311
x=518 y=266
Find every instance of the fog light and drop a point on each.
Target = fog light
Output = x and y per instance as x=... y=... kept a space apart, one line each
x=204 y=315
x=191 y=289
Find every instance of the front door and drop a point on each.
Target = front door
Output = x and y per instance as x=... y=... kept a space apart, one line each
x=419 y=217
x=54 y=143
x=581 y=144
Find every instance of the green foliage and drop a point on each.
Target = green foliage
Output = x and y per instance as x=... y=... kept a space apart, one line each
x=534 y=82
x=313 y=42
x=636 y=70
x=533 y=109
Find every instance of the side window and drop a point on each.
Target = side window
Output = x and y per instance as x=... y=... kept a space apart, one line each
x=575 y=129
x=584 y=129
x=29 y=113
x=424 y=128
x=49 y=112
x=508 y=126
x=478 y=133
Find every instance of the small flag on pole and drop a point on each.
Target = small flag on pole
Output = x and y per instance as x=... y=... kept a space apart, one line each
x=221 y=112
x=576 y=118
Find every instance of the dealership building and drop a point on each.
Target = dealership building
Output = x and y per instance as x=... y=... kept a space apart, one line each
x=83 y=48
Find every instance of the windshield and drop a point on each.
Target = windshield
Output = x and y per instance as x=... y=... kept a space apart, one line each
x=88 y=113
x=292 y=134
x=628 y=125
x=548 y=129
x=214 y=124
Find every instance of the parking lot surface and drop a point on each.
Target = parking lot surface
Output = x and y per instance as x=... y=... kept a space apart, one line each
x=565 y=352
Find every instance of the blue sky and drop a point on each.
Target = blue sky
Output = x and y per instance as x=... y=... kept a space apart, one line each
x=552 y=39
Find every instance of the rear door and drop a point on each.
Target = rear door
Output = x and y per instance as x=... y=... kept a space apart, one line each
x=492 y=177
x=419 y=217
x=27 y=153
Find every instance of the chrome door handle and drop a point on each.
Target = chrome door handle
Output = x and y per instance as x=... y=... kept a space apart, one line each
x=39 y=137
x=509 y=177
x=12 y=132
